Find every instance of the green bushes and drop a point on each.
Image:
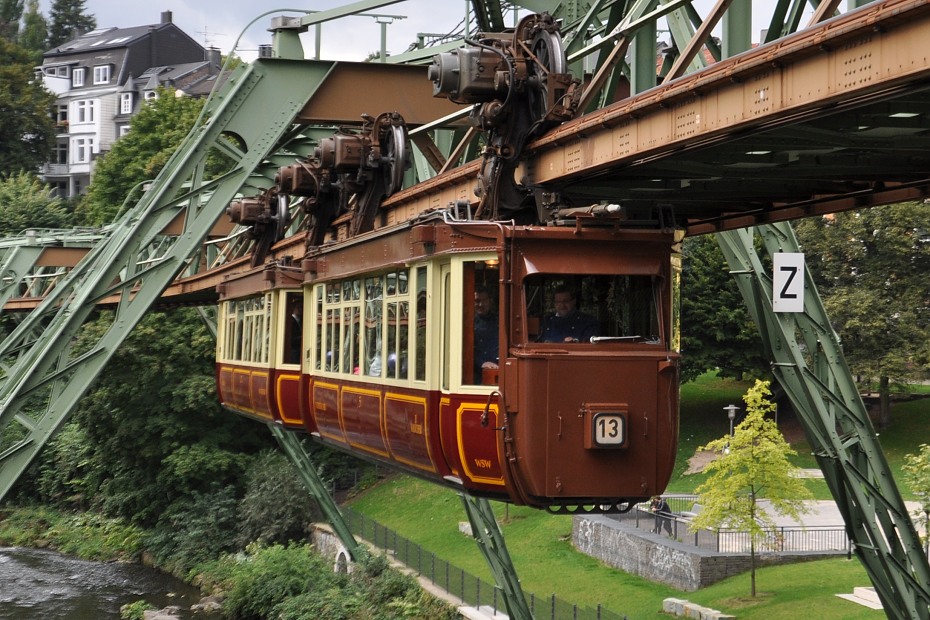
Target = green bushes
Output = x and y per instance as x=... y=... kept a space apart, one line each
x=87 y=535
x=295 y=583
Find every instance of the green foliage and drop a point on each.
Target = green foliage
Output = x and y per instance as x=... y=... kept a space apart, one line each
x=194 y=530
x=154 y=429
x=26 y=133
x=87 y=535
x=11 y=11
x=34 y=35
x=916 y=474
x=753 y=465
x=69 y=19
x=155 y=133
x=870 y=267
x=276 y=507
x=134 y=611
x=296 y=583
x=63 y=469
x=26 y=202
x=258 y=580
x=716 y=330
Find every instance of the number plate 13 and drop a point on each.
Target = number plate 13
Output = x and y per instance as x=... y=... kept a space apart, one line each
x=607 y=430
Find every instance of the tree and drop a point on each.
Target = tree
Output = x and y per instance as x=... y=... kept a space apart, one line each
x=26 y=132
x=916 y=470
x=870 y=267
x=34 y=35
x=68 y=21
x=716 y=330
x=25 y=202
x=753 y=464
x=155 y=133
x=11 y=11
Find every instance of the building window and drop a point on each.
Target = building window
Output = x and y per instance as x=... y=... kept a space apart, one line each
x=61 y=153
x=151 y=95
x=77 y=77
x=123 y=130
x=83 y=150
x=61 y=114
x=102 y=74
x=125 y=103
x=85 y=111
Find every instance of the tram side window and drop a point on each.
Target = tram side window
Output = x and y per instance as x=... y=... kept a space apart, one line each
x=420 y=338
x=365 y=326
x=397 y=313
x=480 y=324
x=248 y=326
x=574 y=308
x=293 y=331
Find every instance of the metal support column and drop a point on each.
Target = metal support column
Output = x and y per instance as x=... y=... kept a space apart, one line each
x=808 y=363
x=296 y=452
x=490 y=541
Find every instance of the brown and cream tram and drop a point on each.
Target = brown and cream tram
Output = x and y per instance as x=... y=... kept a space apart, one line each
x=382 y=361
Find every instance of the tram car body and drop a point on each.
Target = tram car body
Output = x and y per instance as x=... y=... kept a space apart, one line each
x=383 y=362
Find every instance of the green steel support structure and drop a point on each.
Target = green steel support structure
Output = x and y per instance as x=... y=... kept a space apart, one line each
x=490 y=539
x=257 y=107
x=808 y=363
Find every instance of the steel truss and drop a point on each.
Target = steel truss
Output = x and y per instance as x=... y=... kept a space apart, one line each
x=807 y=360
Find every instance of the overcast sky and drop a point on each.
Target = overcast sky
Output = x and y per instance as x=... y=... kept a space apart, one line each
x=219 y=22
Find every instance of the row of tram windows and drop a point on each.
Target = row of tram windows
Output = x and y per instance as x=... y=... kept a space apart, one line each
x=373 y=326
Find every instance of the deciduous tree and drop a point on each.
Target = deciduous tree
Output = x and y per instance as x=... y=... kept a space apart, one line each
x=752 y=465
x=870 y=267
x=916 y=470
x=716 y=330
x=26 y=202
x=26 y=131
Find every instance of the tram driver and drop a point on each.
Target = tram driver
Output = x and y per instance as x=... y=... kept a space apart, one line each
x=486 y=334
x=567 y=323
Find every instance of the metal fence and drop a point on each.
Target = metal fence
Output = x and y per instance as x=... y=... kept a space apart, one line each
x=787 y=539
x=469 y=589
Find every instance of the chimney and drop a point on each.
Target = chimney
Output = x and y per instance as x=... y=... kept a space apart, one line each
x=214 y=57
x=166 y=17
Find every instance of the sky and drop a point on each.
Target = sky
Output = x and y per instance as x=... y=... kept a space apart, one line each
x=219 y=23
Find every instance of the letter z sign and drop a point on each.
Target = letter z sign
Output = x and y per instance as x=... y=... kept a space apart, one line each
x=788 y=282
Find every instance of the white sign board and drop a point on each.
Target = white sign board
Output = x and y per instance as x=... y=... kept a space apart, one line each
x=788 y=282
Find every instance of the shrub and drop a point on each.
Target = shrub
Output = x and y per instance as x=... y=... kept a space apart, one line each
x=276 y=507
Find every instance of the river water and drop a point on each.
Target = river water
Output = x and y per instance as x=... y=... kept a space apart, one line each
x=37 y=584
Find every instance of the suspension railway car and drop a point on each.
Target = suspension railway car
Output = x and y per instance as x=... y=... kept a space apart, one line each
x=381 y=361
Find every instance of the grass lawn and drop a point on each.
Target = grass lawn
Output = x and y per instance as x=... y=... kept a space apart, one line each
x=546 y=562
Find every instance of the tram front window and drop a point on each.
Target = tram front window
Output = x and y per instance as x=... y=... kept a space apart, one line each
x=582 y=309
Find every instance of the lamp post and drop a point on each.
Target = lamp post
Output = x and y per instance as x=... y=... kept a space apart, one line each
x=731 y=413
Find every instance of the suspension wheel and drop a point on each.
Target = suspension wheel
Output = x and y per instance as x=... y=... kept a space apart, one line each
x=550 y=58
x=394 y=158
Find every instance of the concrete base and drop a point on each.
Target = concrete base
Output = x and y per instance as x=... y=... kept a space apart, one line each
x=863 y=596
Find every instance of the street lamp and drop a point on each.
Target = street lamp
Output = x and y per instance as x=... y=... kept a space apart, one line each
x=731 y=413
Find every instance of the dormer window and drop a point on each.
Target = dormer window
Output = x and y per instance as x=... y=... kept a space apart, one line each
x=102 y=74
x=125 y=103
x=151 y=95
x=77 y=77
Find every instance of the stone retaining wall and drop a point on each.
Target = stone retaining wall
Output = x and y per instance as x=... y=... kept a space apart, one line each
x=663 y=560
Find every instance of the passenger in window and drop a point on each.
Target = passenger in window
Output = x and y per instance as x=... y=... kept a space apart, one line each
x=296 y=333
x=567 y=324
x=486 y=331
